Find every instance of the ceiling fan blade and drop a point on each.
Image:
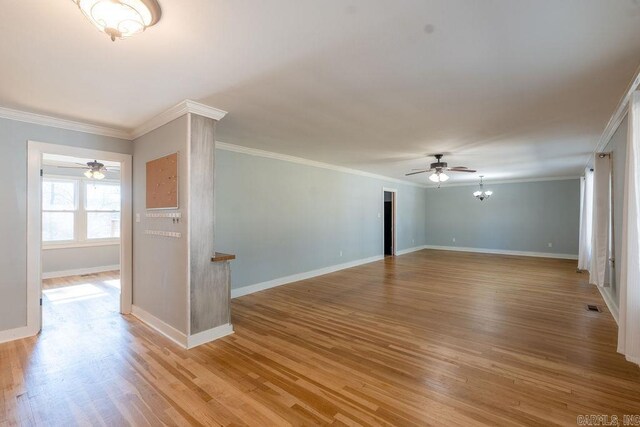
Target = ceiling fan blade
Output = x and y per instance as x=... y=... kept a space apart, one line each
x=72 y=167
x=461 y=170
x=414 y=173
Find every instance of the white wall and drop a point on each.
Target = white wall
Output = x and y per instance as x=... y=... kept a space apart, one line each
x=617 y=146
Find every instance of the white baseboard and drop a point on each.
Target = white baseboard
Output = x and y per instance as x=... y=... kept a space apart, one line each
x=611 y=304
x=16 y=334
x=182 y=339
x=78 y=272
x=246 y=290
x=502 y=252
x=409 y=250
x=165 y=329
x=209 y=335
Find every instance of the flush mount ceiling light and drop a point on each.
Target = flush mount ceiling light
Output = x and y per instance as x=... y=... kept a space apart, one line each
x=120 y=18
x=481 y=194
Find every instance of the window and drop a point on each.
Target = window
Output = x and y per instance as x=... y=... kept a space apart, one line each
x=79 y=211
x=59 y=207
x=102 y=206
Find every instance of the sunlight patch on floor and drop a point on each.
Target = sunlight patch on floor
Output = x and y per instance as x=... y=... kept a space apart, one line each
x=114 y=283
x=74 y=293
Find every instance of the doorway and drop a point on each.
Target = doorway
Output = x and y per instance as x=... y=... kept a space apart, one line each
x=79 y=233
x=389 y=222
x=81 y=216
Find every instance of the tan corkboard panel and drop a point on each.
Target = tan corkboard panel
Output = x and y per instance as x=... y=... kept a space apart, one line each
x=162 y=182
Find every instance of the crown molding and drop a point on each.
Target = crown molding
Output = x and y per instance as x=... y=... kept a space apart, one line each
x=43 y=120
x=618 y=115
x=186 y=106
x=507 y=181
x=299 y=160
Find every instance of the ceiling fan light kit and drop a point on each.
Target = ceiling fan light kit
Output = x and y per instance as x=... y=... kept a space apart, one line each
x=120 y=19
x=439 y=177
x=94 y=169
x=438 y=169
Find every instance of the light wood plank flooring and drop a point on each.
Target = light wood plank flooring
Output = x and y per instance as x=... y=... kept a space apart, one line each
x=431 y=337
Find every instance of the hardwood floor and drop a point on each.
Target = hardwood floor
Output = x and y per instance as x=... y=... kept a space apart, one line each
x=426 y=338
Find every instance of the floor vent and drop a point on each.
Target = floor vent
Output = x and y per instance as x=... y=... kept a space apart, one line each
x=593 y=307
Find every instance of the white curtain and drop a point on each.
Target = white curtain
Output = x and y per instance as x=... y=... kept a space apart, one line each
x=629 y=320
x=586 y=219
x=601 y=217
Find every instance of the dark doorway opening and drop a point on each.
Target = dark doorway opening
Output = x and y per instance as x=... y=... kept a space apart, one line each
x=389 y=226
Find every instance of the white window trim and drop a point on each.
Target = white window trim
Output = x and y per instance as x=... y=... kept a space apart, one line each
x=80 y=215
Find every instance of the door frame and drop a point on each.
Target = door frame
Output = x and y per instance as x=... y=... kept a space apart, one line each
x=35 y=150
x=394 y=219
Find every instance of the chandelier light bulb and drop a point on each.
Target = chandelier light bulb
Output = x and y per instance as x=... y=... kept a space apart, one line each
x=481 y=194
x=89 y=174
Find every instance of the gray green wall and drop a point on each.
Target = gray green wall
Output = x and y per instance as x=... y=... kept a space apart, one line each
x=56 y=260
x=523 y=216
x=13 y=198
x=282 y=218
x=160 y=263
x=617 y=146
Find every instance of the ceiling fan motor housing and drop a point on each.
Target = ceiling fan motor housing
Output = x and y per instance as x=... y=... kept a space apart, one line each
x=438 y=165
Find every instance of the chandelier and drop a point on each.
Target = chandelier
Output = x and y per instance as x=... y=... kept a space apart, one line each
x=120 y=18
x=481 y=194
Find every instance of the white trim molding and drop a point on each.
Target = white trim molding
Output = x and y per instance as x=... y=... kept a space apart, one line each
x=17 y=333
x=611 y=304
x=301 y=161
x=80 y=271
x=209 y=335
x=74 y=245
x=44 y=120
x=618 y=115
x=178 y=337
x=179 y=110
x=409 y=250
x=250 y=289
x=184 y=107
x=158 y=325
x=502 y=252
x=488 y=182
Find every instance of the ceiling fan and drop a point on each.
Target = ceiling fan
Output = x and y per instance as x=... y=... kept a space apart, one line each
x=439 y=168
x=94 y=169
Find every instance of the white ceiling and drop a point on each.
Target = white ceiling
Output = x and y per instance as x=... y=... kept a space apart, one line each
x=61 y=160
x=516 y=89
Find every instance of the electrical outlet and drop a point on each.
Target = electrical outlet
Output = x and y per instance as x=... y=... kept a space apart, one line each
x=413 y=240
x=454 y=240
x=379 y=215
x=340 y=253
x=137 y=217
x=550 y=244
